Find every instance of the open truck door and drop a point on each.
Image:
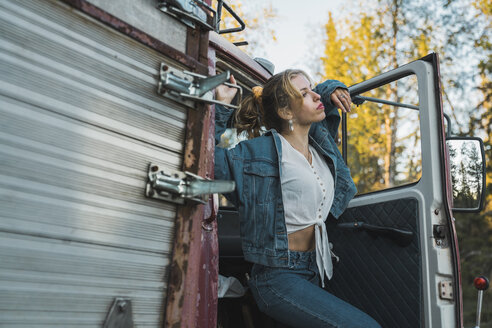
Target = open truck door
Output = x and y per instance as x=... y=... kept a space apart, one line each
x=397 y=240
x=396 y=244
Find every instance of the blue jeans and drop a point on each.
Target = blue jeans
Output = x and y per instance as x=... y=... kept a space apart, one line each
x=294 y=297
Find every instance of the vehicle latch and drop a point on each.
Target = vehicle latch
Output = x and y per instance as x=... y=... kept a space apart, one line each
x=446 y=290
x=194 y=86
x=190 y=12
x=120 y=314
x=439 y=234
x=178 y=187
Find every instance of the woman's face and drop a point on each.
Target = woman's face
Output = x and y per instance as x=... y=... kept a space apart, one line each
x=311 y=110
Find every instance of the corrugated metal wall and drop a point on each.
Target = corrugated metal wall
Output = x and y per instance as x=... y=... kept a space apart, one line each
x=79 y=122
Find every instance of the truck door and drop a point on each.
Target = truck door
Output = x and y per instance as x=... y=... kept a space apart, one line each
x=396 y=241
x=80 y=122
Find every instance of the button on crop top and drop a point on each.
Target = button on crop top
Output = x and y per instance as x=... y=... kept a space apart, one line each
x=307 y=192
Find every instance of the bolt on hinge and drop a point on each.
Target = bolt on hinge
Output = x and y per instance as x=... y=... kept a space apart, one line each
x=446 y=290
x=182 y=86
x=120 y=314
x=178 y=187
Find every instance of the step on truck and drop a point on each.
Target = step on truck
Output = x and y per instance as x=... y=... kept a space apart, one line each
x=106 y=176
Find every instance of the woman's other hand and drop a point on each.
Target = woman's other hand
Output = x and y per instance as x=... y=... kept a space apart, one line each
x=225 y=93
x=341 y=98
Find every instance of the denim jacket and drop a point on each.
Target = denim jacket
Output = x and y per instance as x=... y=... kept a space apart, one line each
x=255 y=167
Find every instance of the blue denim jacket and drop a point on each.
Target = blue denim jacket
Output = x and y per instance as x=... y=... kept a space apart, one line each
x=255 y=167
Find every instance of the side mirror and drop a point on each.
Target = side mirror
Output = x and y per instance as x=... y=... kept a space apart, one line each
x=467 y=166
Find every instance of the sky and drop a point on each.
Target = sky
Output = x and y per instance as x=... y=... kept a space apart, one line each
x=297 y=28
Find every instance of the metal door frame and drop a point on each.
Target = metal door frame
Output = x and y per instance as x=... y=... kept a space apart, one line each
x=430 y=190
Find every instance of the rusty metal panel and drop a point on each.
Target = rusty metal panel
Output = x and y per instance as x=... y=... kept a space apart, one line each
x=80 y=121
x=192 y=287
x=184 y=283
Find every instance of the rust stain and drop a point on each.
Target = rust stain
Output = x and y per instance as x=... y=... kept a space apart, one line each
x=176 y=275
x=186 y=249
x=209 y=265
x=190 y=158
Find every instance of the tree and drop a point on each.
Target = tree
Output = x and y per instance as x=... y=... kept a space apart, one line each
x=359 y=51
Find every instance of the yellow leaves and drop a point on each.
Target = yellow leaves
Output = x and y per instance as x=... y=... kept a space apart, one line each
x=356 y=49
x=350 y=55
x=422 y=45
x=485 y=6
x=228 y=21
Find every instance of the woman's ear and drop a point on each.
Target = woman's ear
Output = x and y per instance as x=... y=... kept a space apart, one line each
x=285 y=113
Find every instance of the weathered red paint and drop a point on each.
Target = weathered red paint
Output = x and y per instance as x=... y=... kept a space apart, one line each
x=190 y=290
x=209 y=269
x=233 y=55
x=125 y=28
x=209 y=265
x=448 y=191
x=183 y=286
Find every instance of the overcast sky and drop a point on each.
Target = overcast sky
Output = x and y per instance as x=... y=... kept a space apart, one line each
x=297 y=30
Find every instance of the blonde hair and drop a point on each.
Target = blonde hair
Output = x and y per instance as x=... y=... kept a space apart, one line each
x=262 y=106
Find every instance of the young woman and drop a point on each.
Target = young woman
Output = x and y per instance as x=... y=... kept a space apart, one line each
x=288 y=181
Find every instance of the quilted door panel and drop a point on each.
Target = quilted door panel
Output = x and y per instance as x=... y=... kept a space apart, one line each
x=374 y=274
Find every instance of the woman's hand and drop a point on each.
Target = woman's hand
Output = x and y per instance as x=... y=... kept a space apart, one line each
x=225 y=93
x=341 y=98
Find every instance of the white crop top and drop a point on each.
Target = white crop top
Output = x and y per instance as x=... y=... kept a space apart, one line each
x=307 y=192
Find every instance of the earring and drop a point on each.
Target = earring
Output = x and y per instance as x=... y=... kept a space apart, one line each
x=291 y=125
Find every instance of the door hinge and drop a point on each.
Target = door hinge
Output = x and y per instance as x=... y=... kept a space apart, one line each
x=183 y=86
x=178 y=187
x=446 y=290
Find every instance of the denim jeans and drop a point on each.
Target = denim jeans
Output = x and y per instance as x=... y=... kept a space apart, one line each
x=294 y=297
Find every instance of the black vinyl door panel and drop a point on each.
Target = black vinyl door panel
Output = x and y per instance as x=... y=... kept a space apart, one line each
x=374 y=273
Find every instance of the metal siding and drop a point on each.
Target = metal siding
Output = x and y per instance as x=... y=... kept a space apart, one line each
x=144 y=15
x=80 y=121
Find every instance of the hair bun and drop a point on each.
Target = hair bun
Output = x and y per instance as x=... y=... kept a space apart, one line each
x=257 y=92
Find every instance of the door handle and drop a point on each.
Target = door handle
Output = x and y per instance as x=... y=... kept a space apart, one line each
x=399 y=236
